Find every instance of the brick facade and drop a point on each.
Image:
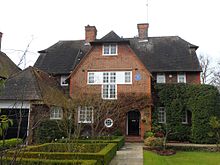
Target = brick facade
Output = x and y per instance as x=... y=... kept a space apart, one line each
x=126 y=60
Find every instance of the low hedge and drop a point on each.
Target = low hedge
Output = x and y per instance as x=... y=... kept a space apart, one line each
x=10 y=143
x=103 y=157
x=119 y=140
x=24 y=161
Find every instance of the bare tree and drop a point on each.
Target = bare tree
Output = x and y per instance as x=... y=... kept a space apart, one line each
x=207 y=69
x=216 y=77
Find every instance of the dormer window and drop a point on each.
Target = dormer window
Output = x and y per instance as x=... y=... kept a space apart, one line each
x=110 y=49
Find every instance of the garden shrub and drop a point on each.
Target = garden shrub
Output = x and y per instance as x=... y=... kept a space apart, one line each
x=201 y=101
x=25 y=161
x=10 y=143
x=153 y=142
x=49 y=130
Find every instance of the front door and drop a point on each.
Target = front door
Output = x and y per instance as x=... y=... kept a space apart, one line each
x=133 y=118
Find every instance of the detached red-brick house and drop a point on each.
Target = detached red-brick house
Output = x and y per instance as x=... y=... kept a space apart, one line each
x=113 y=65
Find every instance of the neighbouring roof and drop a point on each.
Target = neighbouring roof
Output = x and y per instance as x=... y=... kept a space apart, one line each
x=7 y=66
x=158 y=54
x=31 y=84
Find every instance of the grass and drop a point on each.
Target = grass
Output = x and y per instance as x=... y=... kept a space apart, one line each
x=183 y=158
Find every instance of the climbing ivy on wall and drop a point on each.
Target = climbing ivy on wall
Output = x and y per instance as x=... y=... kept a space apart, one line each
x=201 y=101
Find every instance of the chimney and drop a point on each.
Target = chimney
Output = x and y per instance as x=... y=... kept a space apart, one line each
x=90 y=33
x=143 y=30
x=0 y=39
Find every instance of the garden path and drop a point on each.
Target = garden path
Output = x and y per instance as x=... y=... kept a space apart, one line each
x=130 y=154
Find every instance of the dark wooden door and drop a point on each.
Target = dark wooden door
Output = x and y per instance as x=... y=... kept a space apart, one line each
x=133 y=123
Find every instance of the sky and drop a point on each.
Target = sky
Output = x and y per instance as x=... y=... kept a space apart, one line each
x=42 y=23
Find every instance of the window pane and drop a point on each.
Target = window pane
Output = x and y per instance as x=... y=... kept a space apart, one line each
x=161 y=115
x=127 y=77
x=105 y=77
x=56 y=113
x=113 y=49
x=112 y=77
x=91 y=78
x=161 y=78
x=106 y=49
x=105 y=91
x=181 y=78
x=112 y=91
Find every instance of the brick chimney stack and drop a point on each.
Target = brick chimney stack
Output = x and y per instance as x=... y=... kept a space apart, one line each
x=143 y=30
x=90 y=33
x=0 y=39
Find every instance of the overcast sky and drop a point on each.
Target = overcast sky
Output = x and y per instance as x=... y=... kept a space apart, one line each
x=48 y=21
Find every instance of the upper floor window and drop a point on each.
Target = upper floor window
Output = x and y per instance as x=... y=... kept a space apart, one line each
x=91 y=77
x=161 y=115
x=109 y=91
x=185 y=117
x=63 y=80
x=181 y=78
x=127 y=77
x=85 y=114
x=110 y=49
x=56 y=113
x=161 y=78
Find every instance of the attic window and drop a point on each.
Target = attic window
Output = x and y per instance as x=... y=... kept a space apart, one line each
x=63 y=80
x=110 y=49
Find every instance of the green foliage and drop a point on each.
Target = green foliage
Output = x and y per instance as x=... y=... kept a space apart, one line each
x=25 y=161
x=5 y=122
x=49 y=130
x=215 y=132
x=148 y=134
x=153 y=141
x=103 y=157
x=10 y=143
x=201 y=101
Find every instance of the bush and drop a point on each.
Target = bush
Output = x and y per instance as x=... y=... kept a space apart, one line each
x=24 y=161
x=153 y=142
x=10 y=143
x=201 y=101
x=148 y=134
x=49 y=130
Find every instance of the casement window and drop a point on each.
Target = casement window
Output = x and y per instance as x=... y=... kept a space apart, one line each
x=91 y=78
x=109 y=91
x=185 y=117
x=110 y=49
x=63 y=80
x=161 y=78
x=161 y=115
x=127 y=77
x=56 y=113
x=181 y=78
x=85 y=114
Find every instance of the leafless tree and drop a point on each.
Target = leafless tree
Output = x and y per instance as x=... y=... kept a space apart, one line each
x=207 y=69
x=216 y=77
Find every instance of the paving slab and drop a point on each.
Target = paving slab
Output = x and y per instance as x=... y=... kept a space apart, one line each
x=130 y=154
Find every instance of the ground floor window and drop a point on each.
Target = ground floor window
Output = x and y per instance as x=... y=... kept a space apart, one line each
x=185 y=117
x=161 y=115
x=56 y=113
x=85 y=114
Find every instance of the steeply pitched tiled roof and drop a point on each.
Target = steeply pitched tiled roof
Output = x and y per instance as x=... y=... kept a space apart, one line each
x=7 y=66
x=158 y=54
x=62 y=57
x=111 y=37
x=32 y=84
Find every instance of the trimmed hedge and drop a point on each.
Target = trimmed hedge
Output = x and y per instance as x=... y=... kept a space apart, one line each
x=203 y=101
x=10 y=143
x=119 y=140
x=103 y=157
x=25 y=161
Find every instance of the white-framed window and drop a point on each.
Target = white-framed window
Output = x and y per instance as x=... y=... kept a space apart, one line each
x=91 y=77
x=161 y=78
x=63 y=80
x=128 y=77
x=85 y=114
x=56 y=113
x=109 y=91
x=161 y=115
x=110 y=49
x=185 y=117
x=181 y=78
x=106 y=77
x=112 y=77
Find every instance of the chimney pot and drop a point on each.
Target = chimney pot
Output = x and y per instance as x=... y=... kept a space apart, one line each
x=90 y=33
x=0 y=39
x=143 y=30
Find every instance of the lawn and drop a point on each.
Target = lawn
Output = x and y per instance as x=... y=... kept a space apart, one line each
x=183 y=158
